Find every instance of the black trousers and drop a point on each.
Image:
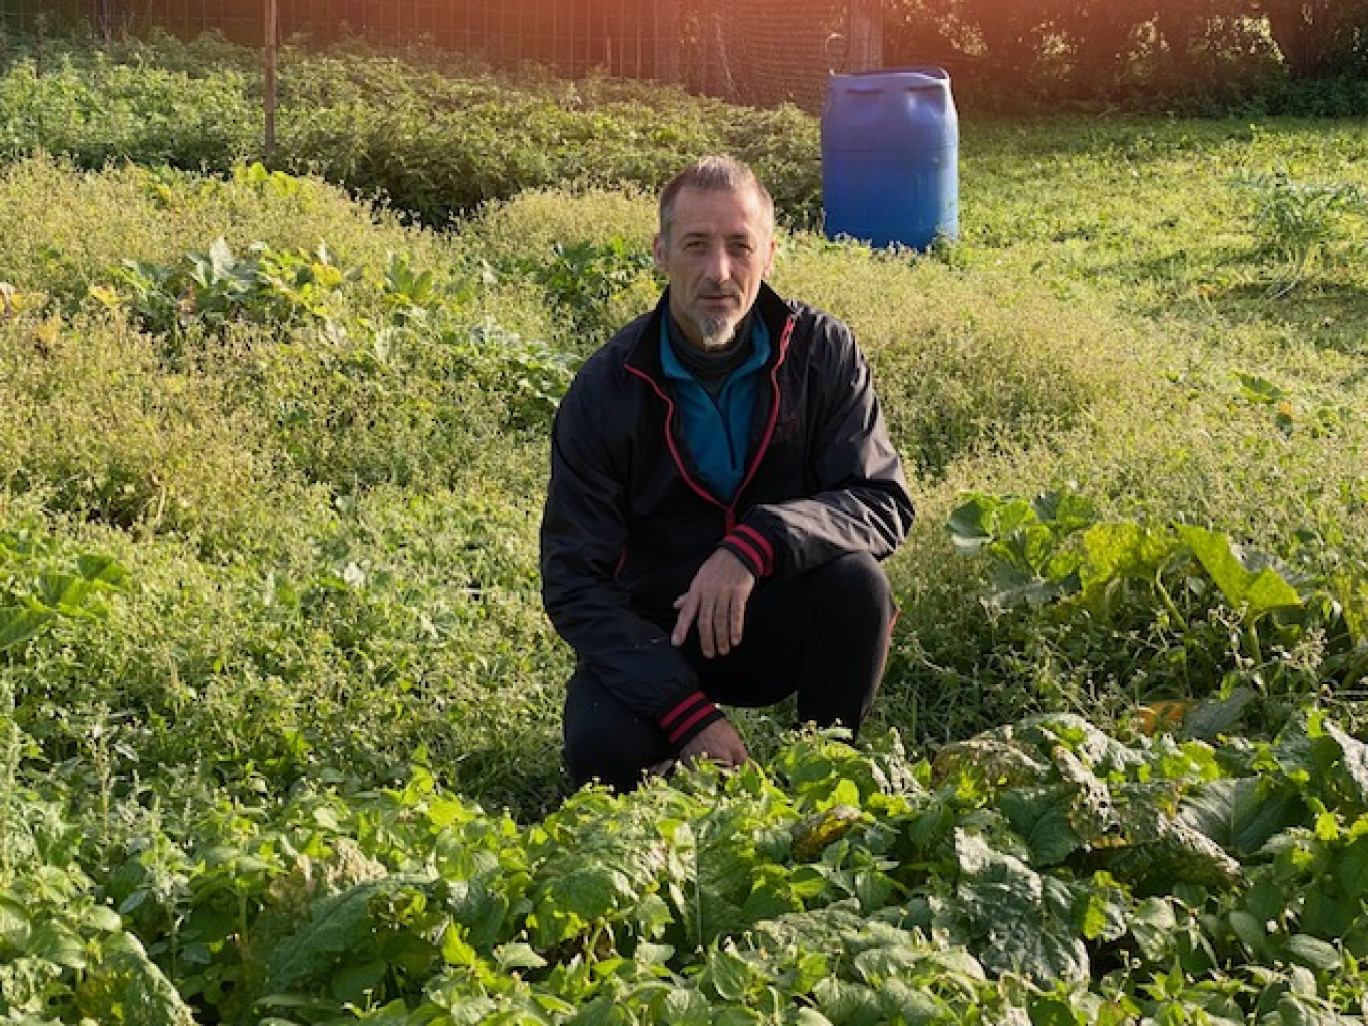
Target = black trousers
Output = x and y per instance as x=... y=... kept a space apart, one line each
x=823 y=635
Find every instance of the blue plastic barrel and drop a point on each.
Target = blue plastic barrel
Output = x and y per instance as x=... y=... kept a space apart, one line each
x=890 y=157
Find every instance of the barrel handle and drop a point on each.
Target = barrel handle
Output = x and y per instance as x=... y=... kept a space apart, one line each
x=840 y=40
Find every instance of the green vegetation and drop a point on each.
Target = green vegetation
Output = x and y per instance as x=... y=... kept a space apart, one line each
x=430 y=136
x=1208 y=55
x=1040 y=873
x=272 y=657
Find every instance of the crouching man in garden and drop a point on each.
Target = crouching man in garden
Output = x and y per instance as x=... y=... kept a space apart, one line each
x=722 y=489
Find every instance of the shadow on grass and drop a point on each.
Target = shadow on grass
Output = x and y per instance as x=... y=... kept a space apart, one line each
x=1328 y=315
x=1327 y=309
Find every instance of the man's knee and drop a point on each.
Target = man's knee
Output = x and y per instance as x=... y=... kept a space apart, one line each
x=856 y=586
x=604 y=740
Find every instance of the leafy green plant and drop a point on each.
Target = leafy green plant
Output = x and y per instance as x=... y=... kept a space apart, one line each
x=1041 y=866
x=218 y=287
x=409 y=293
x=1150 y=602
x=33 y=595
x=428 y=137
x=583 y=277
x=64 y=954
x=1298 y=221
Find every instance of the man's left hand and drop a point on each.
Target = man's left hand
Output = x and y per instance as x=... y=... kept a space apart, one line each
x=719 y=742
x=716 y=602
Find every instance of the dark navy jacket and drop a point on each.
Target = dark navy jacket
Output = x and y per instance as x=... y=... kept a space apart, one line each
x=628 y=521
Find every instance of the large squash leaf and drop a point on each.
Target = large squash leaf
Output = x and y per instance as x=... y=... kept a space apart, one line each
x=1241 y=814
x=1018 y=921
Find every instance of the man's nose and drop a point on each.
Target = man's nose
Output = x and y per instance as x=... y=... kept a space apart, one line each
x=718 y=265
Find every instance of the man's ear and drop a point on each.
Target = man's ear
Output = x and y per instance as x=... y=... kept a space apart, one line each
x=769 y=259
x=658 y=251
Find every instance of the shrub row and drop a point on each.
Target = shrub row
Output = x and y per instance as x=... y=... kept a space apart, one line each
x=1195 y=54
x=422 y=136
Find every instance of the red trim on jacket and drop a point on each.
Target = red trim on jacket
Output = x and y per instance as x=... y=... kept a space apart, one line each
x=764 y=560
x=675 y=454
x=753 y=559
x=753 y=541
x=688 y=718
x=768 y=436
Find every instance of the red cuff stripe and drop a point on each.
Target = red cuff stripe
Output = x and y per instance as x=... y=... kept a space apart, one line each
x=683 y=708
x=708 y=710
x=749 y=550
x=761 y=541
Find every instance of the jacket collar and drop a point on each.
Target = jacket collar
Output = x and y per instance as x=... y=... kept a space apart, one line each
x=643 y=352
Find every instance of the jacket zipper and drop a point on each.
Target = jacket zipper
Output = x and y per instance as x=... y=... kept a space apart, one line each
x=768 y=436
x=729 y=511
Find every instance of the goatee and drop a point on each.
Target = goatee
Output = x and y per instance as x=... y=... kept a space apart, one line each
x=717 y=332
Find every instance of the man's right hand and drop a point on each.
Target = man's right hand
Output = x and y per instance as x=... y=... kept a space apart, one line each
x=719 y=742
x=716 y=604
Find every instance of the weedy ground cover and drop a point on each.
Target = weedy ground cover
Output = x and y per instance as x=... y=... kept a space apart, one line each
x=271 y=642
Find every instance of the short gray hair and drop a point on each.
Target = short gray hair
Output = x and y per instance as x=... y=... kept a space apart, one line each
x=718 y=173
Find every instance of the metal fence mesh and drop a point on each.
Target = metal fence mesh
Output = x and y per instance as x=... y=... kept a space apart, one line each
x=760 y=52
x=767 y=52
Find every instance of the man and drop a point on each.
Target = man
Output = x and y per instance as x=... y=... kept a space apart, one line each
x=722 y=488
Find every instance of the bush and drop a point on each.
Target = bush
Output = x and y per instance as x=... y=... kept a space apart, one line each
x=1193 y=55
x=431 y=141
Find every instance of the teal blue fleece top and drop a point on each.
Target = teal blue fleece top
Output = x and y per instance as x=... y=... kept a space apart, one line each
x=717 y=432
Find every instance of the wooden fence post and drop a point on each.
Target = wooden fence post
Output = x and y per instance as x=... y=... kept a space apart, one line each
x=270 y=77
x=865 y=45
x=669 y=27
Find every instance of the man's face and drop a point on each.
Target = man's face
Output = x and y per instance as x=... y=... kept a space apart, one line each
x=720 y=249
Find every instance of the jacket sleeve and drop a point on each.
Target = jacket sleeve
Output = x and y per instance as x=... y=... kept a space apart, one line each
x=861 y=502
x=583 y=537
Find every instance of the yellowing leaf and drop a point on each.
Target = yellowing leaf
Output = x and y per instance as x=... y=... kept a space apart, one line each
x=326 y=275
x=13 y=302
x=106 y=296
x=1260 y=589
